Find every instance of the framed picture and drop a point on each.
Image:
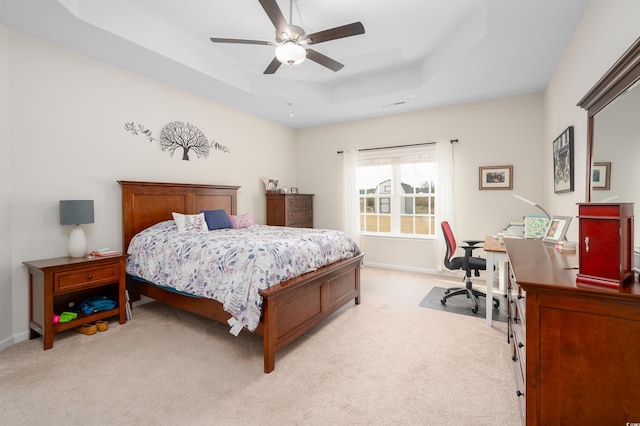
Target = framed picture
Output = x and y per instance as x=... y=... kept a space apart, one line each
x=601 y=176
x=556 y=229
x=496 y=177
x=294 y=190
x=270 y=185
x=563 y=162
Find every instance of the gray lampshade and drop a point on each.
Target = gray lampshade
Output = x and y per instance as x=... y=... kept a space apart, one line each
x=76 y=212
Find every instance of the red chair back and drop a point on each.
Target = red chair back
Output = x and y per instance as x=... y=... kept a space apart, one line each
x=449 y=239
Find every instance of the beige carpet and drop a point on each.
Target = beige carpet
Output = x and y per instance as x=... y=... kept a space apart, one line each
x=385 y=362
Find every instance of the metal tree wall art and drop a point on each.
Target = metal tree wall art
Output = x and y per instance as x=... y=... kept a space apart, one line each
x=179 y=134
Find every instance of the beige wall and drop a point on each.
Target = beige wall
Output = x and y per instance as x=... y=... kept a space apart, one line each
x=606 y=30
x=500 y=132
x=67 y=141
x=6 y=312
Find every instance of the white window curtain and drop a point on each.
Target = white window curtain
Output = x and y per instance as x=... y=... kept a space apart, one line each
x=445 y=205
x=350 y=199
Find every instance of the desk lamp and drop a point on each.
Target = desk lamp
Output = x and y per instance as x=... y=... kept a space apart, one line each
x=76 y=212
x=534 y=204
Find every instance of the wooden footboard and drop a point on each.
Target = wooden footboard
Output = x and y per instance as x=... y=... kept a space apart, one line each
x=292 y=308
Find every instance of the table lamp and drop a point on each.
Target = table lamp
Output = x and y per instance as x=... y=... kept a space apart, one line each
x=76 y=212
x=533 y=204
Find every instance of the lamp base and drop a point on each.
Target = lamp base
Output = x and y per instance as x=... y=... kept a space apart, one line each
x=77 y=242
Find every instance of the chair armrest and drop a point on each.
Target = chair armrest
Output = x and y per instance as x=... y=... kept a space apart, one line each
x=468 y=250
x=473 y=242
x=468 y=254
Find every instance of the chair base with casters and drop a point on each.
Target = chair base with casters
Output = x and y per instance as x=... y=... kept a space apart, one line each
x=466 y=263
x=471 y=293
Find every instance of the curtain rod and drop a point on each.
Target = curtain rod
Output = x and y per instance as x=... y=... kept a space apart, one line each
x=399 y=146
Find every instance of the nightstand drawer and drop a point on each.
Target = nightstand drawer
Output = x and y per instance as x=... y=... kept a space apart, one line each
x=85 y=278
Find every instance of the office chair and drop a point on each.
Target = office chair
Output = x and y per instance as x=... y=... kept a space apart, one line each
x=466 y=263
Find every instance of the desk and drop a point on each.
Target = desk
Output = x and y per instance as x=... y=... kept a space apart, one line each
x=495 y=253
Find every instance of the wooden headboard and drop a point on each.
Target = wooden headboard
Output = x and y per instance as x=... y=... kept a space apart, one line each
x=147 y=203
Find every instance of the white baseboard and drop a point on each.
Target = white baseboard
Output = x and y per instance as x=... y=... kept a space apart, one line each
x=400 y=268
x=21 y=337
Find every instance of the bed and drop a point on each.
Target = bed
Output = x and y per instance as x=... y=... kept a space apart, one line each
x=289 y=309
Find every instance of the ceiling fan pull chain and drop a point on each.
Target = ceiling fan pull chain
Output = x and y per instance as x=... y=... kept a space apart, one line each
x=290 y=12
x=291 y=94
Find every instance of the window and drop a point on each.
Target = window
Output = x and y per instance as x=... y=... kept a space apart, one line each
x=397 y=191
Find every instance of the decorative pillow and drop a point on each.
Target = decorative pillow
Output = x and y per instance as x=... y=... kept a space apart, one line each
x=241 y=221
x=190 y=222
x=216 y=219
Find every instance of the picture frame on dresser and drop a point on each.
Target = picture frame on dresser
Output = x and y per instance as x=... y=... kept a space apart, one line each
x=556 y=229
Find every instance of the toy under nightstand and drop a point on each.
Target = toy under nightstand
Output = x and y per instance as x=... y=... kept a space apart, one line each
x=55 y=284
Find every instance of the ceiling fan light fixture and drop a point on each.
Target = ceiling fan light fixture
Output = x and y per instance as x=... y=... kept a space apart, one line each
x=291 y=53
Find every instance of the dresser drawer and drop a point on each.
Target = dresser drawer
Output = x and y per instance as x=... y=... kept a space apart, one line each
x=294 y=203
x=85 y=278
x=298 y=216
x=520 y=390
x=518 y=343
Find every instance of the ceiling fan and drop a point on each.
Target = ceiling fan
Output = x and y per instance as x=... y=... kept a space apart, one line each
x=291 y=40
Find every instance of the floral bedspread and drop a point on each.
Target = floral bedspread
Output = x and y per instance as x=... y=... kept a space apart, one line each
x=233 y=265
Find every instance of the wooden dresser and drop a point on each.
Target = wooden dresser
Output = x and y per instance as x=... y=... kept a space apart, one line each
x=575 y=346
x=294 y=210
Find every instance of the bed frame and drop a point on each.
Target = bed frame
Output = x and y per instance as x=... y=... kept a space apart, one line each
x=289 y=309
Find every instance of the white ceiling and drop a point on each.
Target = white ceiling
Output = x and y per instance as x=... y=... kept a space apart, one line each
x=415 y=54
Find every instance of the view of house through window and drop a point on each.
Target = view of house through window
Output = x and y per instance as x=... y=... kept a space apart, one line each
x=397 y=191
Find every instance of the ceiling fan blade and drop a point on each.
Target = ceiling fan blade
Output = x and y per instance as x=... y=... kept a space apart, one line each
x=273 y=66
x=334 y=33
x=240 y=41
x=275 y=14
x=323 y=60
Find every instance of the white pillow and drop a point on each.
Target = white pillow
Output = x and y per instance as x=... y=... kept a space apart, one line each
x=190 y=222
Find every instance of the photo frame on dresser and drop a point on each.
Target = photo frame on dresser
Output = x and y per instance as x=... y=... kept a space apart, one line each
x=563 y=162
x=556 y=229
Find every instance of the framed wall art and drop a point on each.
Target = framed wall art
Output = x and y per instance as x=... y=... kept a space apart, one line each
x=496 y=177
x=563 y=162
x=601 y=176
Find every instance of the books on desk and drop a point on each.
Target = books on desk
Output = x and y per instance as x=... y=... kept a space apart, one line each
x=105 y=252
x=514 y=229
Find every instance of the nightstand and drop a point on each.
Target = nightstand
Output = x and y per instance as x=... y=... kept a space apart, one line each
x=57 y=284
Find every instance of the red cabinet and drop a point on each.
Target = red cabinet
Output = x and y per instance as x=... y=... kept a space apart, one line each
x=605 y=243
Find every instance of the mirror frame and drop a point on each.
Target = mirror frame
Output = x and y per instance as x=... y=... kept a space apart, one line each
x=622 y=75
